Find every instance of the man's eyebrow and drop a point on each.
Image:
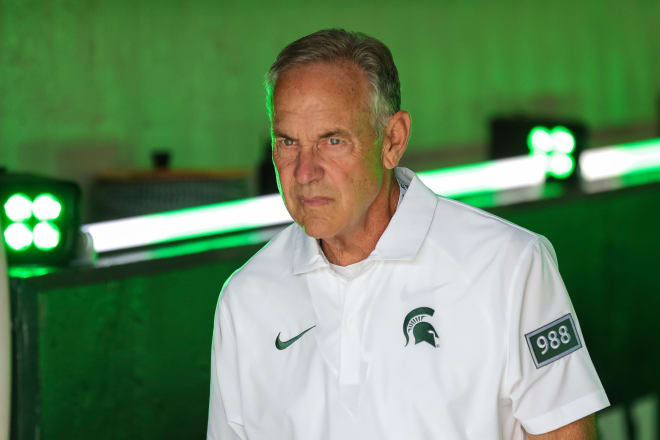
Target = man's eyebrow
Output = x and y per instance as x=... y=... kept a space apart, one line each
x=280 y=134
x=335 y=132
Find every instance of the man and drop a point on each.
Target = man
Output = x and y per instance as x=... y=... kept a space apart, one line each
x=386 y=312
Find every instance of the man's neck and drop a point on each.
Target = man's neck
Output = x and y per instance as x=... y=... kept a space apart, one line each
x=343 y=250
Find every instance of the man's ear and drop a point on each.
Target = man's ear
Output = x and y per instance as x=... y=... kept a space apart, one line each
x=395 y=139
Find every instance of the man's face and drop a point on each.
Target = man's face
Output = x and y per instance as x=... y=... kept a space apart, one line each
x=329 y=167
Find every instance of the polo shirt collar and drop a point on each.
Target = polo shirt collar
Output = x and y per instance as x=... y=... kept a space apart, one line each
x=401 y=239
x=307 y=253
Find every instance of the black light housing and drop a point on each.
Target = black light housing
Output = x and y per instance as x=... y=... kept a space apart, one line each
x=560 y=140
x=509 y=135
x=40 y=218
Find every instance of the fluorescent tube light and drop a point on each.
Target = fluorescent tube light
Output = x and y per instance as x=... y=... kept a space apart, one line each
x=264 y=211
x=498 y=175
x=152 y=229
x=620 y=160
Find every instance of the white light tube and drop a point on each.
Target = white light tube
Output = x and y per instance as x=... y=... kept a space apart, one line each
x=146 y=230
x=614 y=161
x=264 y=211
x=498 y=175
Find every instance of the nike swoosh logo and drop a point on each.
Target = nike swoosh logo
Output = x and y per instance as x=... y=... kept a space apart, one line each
x=281 y=345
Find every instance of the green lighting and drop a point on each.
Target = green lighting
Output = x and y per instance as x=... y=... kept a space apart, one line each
x=269 y=210
x=18 y=207
x=563 y=140
x=561 y=165
x=46 y=207
x=477 y=178
x=544 y=141
x=39 y=218
x=18 y=236
x=540 y=140
x=620 y=160
x=46 y=236
x=558 y=145
x=489 y=181
x=28 y=271
x=189 y=223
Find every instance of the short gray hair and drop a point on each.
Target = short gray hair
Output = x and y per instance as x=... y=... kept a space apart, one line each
x=367 y=53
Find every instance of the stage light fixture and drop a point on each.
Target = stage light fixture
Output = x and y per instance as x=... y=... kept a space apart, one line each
x=40 y=218
x=560 y=141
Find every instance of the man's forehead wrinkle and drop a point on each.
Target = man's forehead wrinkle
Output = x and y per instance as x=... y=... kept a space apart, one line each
x=311 y=101
x=313 y=119
x=326 y=77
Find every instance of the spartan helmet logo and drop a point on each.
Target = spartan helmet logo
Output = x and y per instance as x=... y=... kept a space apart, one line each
x=421 y=330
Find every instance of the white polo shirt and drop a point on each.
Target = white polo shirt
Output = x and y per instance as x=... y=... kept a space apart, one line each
x=457 y=326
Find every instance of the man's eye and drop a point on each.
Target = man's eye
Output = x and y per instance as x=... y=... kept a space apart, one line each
x=287 y=142
x=334 y=141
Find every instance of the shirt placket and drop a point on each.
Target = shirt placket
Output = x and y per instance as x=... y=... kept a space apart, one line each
x=351 y=361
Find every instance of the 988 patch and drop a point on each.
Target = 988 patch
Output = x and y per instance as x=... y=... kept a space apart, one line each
x=553 y=341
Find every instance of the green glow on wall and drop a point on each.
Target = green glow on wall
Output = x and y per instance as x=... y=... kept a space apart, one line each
x=29 y=271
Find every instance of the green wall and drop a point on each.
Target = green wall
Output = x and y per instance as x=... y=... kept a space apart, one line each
x=120 y=352
x=92 y=85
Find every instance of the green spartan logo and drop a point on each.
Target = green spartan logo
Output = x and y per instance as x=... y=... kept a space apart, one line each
x=421 y=330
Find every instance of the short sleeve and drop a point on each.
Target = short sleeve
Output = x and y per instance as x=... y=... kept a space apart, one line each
x=225 y=421
x=550 y=379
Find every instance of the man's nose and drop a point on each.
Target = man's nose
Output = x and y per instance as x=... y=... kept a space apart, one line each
x=308 y=168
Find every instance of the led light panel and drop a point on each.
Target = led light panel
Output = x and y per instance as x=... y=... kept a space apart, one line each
x=39 y=217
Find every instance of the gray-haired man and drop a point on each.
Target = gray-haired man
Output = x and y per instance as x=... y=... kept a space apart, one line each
x=386 y=312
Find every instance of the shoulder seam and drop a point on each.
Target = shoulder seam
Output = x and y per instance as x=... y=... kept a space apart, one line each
x=487 y=214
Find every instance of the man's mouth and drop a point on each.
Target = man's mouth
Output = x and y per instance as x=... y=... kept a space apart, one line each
x=315 y=201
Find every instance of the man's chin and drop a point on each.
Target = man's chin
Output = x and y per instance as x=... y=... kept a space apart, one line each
x=318 y=231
